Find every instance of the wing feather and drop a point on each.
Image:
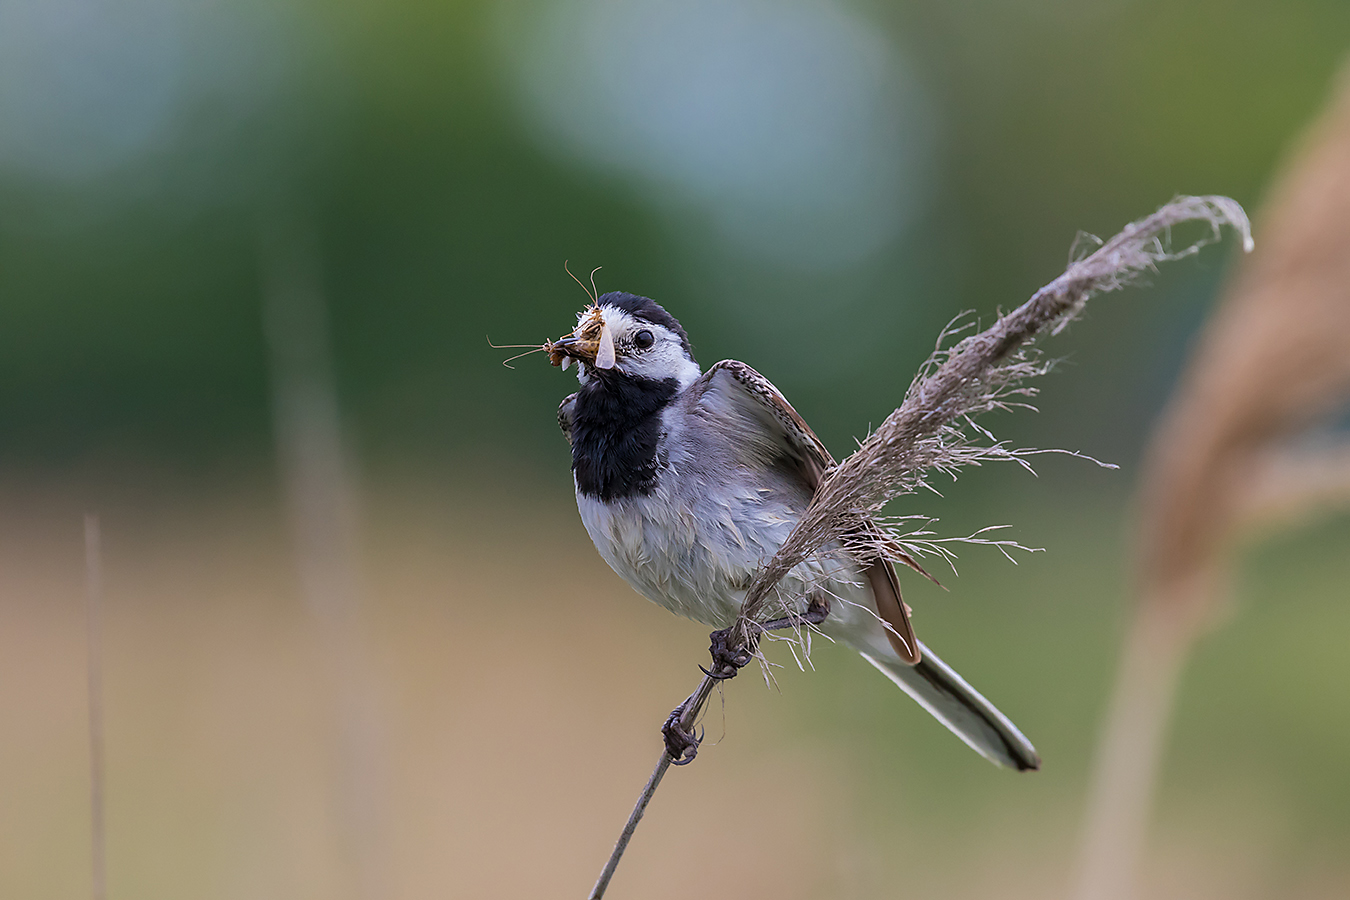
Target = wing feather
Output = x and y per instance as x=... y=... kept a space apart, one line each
x=754 y=397
x=565 y=410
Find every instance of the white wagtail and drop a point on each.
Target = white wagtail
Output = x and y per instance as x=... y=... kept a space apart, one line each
x=689 y=481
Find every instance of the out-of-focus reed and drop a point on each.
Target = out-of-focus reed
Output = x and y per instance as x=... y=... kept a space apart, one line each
x=318 y=479
x=1238 y=448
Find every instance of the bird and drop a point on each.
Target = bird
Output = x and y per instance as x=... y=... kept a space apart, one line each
x=688 y=482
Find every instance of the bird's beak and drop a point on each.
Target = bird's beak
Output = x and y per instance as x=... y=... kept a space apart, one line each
x=591 y=342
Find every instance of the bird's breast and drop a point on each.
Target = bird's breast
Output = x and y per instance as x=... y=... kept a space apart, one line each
x=695 y=541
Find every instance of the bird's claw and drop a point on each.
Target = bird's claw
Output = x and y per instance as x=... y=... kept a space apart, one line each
x=726 y=660
x=681 y=743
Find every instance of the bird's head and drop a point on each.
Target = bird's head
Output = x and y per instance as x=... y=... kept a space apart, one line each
x=626 y=335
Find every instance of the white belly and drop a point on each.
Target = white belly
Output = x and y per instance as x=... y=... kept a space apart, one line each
x=696 y=556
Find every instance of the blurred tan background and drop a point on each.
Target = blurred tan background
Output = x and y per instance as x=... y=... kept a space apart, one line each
x=356 y=643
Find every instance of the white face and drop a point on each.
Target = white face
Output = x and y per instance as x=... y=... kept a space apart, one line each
x=645 y=350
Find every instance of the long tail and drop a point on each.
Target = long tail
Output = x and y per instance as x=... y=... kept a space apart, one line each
x=960 y=707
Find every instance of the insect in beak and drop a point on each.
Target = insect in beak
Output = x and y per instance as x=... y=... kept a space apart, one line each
x=591 y=342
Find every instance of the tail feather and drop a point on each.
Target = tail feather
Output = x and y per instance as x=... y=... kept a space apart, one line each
x=960 y=707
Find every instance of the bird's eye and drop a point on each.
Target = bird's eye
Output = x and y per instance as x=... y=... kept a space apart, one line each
x=644 y=339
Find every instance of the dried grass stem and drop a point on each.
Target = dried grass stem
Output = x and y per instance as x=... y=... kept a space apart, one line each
x=928 y=432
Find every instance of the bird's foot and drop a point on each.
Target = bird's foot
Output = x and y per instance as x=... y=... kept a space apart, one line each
x=726 y=659
x=681 y=743
x=817 y=612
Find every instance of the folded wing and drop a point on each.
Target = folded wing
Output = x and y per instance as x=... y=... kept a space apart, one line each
x=784 y=436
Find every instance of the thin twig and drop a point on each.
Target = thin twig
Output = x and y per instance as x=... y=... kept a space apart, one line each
x=931 y=431
x=691 y=708
x=93 y=598
x=602 y=883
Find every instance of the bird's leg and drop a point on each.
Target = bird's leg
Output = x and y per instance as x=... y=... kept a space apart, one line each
x=728 y=661
x=817 y=612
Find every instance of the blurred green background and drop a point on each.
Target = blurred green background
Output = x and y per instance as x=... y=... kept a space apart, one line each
x=815 y=188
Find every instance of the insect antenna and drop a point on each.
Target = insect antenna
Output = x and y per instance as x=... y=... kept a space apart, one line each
x=511 y=346
x=533 y=348
x=594 y=292
x=507 y=362
x=590 y=292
